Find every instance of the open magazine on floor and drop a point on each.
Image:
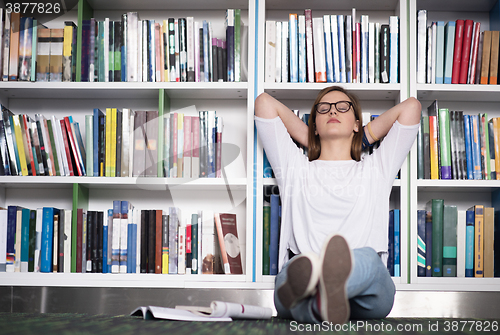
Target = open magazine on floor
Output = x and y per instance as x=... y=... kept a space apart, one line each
x=218 y=311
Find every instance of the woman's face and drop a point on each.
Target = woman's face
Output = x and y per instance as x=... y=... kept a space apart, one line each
x=335 y=124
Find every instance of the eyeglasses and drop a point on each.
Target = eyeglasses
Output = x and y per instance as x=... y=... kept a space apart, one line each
x=340 y=106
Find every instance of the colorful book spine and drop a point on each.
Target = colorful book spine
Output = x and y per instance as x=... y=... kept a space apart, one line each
x=444 y=142
x=309 y=46
x=47 y=240
x=421 y=246
x=450 y=217
x=397 y=243
x=394 y=49
x=115 y=237
x=266 y=238
x=466 y=48
x=328 y=48
x=437 y=208
x=319 y=50
x=469 y=243
x=478 y=241
x=194 y=243
x=302 y=51
x=125 y=209
x=274 y=234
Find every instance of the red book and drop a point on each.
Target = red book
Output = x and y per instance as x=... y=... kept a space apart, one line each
x=467 y=39
x=457 y=53
x=229 y=243
x=66 y=147
x=71 y=140
x=79 y=232
x=474 y=51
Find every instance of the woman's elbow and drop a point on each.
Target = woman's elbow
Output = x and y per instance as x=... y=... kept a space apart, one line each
x=412 y=113
x=263 y=106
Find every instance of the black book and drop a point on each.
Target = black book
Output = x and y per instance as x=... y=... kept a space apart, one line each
x=42 y=148
x=171 y=49
x=111 y=67
x=202 y=58
x=90 y=241
x=151 y=241
x=118 y=50
x=224 y=62
x=220 y=66
x=60 y=242
x=102 y=145
x=144 y=240
x=215 y=68
x=183 y=49
x=99 y=237
x=385 y=39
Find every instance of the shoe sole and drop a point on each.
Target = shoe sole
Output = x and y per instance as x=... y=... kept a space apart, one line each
x=336 y=265
x=301 y=282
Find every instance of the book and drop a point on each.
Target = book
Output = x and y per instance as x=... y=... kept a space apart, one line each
x=457 y=53
x=466 y=48
x=495 y=40
x=218 y=311
x=461 y=234
x=436 y=206
x=450 y=216
x=469 y=243
x=266 y=237
x=207 y=257
x=478 y=240
x=489 y=233
x=421 y=246
x=227 y=231
x=421 y=45
x=449 y=48
x=319 y=50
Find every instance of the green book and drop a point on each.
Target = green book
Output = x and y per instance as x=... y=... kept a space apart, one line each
x=420 y=151
x=53 y=147
x=436 y=206
x=85 y=12
x=32 y=241
x=450 y=217
x=194 y=243
x=266 y=240
x=80 y=200
x=89 y=143
x=25 y=241
x=237 y=45
x=445 y=143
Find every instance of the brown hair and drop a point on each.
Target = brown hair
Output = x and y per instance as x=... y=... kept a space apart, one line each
x=314 y=148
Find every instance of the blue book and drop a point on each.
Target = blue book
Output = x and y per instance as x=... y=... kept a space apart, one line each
x=123 y=47
x=421 y=246
x=390 y=249
x=131 y=244
x=364 y=49
x=440 y=52
x=25 y=239
x=428 y=243
x=294 y=48
x=328 y=48
x=205 y=51
x=95 y=152
x=469 y=243
x=105 y=241
x=394 y=50
x=468 y=147
x=449 y=43
x=302 y=50
x=476 y=146
x=85 y=50
x=151 y=51
x=397 y=244
x=274 y=240
x=46 y=252
x=11 y=237
x=124 y=227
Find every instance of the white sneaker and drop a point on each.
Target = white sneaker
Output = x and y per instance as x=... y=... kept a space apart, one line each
x=302 y=278
x=336 y=265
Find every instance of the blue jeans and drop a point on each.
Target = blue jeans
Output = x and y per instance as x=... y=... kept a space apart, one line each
x=370 y=290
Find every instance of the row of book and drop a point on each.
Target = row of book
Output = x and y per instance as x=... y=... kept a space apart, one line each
x=457 y=243
x=456 y=52
x=127 y=50
x=271 y=223
x=117 y=143
x=123 y=240
x=454 y=145
x=332 y=48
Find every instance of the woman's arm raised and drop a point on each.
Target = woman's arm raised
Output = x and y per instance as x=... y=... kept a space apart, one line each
x=268 y=107
x=407 y=113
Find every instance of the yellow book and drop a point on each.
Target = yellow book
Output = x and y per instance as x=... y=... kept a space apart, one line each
x=479 y=241
x=166 y=57
x=180 y=144
x=108 y=142
x=67 y=46
x=489 y=232
x=113 y=143
x=433 y=140
x=20 y=146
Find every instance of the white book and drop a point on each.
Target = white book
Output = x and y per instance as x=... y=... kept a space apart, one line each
x=421 y=45
x=61 y=151
x=67 y=240
x=335 y=48
x=152 y=50
x=190 y=47
x=302 y=49
x=284 y=51
x=342 y=59
x=177 y=51
x=186 y=165
x=131 y=144
x=137 y=220
x=196 y=51
x=89 y=145
x=371 y=52
x=319 y=50
x=180 y=145
x=132 y=46
x=328 y=48
x=139 y=50
x=294 y=48
x=309 y=46
x=270 y=63
x=3 y=240
x=195 y=159
x=145 y=51
x=377 y=53
x=461 y=232
x=125 y=167
x=181 y=249
x=364 y=48
x=116 y=237
x=394 y=49
x=38 y=244
x=208 y=242
x=106 y=49
x=126 y=207
x=278 y=52
x=434 y=52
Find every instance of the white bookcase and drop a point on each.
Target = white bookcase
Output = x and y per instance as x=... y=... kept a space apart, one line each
x=471 y=99
x=232 y=101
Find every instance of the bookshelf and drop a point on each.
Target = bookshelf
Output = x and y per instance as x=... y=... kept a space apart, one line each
x=233 y=101
x=471 y=99
x=375 y=98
